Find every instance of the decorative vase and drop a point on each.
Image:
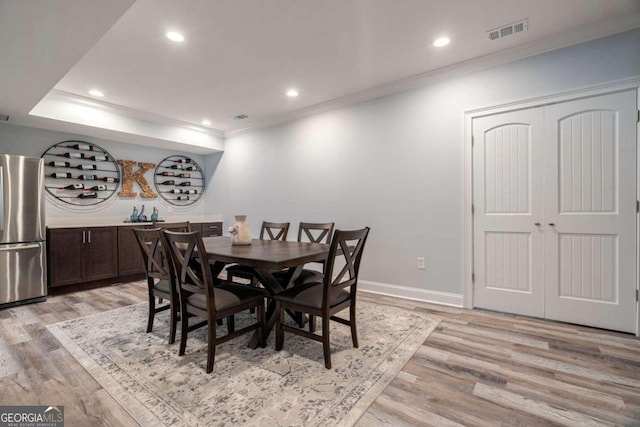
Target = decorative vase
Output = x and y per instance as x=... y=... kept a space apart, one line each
x=142 y=217
x=240 y=233
x=134 y=215
x=154 y=215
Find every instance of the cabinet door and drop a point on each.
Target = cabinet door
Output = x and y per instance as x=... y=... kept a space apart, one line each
x=102 y=253
x=211 y=229
x=66 y=262
x=129 y=256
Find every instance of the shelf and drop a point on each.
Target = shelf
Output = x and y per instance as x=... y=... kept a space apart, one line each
x=73 y=165
x=160 y=179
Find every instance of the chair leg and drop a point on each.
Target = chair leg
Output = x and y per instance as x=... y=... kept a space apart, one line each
x=279 y=330
x=352 y=322
x=174 y=322
x=261 y=328
x=152 y=312
x=184 y=326
x=231 y=324
x=254 y=283
x=312 y=323
x=211 y=344
x=325 y=342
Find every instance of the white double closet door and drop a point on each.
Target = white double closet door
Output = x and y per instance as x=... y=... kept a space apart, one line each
x=554 y=193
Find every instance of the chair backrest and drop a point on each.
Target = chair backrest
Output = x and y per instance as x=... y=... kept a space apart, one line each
x=274 y=230
x=189 y=255
x=347 y=248
x=158 y=265
x=173 y=226
x=315 y=232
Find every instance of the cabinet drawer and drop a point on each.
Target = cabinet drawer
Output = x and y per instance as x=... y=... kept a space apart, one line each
x=211 y=229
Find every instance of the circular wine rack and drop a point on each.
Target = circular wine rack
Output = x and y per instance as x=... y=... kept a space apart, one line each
x=80 y=173
x=179 y=180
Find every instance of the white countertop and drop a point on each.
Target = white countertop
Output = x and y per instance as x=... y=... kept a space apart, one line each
x=97 y=221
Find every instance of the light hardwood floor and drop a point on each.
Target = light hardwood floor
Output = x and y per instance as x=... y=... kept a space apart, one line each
x=476 y=369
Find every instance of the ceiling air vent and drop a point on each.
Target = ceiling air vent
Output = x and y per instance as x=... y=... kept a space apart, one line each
x=241 y=117
x=507 y=30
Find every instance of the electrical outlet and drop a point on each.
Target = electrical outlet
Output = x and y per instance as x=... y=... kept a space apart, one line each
x=421 y=263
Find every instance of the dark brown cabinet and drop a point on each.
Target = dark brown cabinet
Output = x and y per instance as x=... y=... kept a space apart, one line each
x=129 y=255
x=78 y=255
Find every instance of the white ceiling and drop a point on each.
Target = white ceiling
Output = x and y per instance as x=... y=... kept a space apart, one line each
x=240 y=56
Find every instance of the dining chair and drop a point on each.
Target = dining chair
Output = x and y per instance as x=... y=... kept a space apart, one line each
x=336 y=292
x=313 y=232
x=161 y=278
x=268 y=231
x=185 y=226
x=198 y=296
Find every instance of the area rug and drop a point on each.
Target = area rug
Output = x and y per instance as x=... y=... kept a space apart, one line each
x=259 y=387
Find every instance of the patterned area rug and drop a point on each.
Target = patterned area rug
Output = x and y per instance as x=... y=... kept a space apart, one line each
x=149 y=380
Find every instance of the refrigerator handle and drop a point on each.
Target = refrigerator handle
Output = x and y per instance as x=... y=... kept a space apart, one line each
x=18 y=248
x=1 y=199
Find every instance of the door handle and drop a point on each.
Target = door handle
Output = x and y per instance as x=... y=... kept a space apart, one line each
x=84 y=238
x=89 y=238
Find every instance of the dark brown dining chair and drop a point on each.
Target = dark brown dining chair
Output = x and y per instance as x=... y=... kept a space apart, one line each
x=268 y=231
x=198 y=296
x=324 y=299
x=161 y=278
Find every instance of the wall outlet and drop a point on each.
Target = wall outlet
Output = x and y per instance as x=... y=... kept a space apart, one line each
x=421 y=263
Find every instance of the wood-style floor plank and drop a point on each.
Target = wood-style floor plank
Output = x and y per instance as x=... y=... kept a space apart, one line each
x=478 y=368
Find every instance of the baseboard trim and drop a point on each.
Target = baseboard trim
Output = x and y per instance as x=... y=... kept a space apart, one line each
x=405 y=292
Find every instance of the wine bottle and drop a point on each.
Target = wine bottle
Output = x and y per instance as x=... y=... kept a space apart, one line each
x=60 y=175
x=86 y=147
x=60 y=164
x=86 y=167
x=100 y=187
x=178 y=166
x=185 y=175
x=182 y=198
x=72 y=187
x=170 y=182
x=99 y=158
x=86 y=177
x=190 y=192
x=109 y=179
x=167 y=173
x=87 y=195
x=174 y=191
x=185 y=160
x=72 y=155
x=185 y=184
x=190 y=168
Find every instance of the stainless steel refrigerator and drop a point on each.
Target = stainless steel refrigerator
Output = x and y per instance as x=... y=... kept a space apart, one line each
x=23 y=276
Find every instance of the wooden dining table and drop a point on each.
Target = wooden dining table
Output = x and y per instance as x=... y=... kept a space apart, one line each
x=266 y=257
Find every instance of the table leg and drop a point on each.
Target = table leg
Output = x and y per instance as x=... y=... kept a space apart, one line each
x=273 y=286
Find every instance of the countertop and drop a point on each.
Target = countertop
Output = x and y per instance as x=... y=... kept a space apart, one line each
x=96 y=221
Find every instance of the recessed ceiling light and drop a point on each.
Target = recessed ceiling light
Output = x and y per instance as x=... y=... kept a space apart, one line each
x=96 y=92
x=292 y=93
x=206 y=122
x=442 y=41
x=240 y=117
x=175 y=36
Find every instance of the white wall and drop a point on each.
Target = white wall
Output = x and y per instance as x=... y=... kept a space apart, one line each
x=34 y=142
x=396 y=164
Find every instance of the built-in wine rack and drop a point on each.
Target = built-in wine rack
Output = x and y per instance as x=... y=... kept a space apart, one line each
x=179 y=180
x=80 y=173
